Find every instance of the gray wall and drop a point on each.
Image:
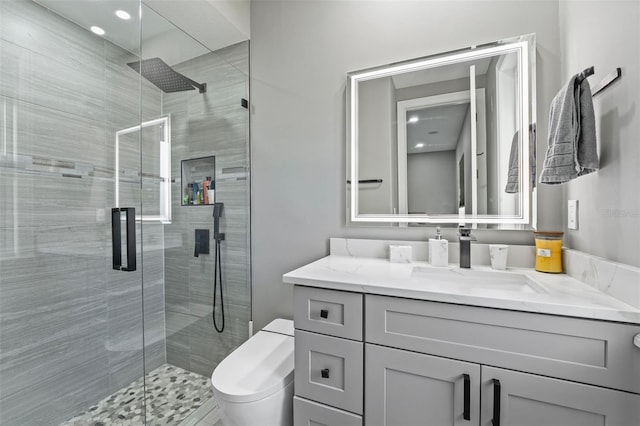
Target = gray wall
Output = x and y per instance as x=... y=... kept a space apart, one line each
x=70 y=326
x=606 y=34
x=301 y=53
x=377 y=144
x=431 y=195
x=213 y=123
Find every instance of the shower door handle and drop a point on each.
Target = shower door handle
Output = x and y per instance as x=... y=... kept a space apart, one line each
x=116 y=238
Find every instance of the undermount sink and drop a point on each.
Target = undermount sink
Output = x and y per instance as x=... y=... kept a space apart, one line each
x=480 y=280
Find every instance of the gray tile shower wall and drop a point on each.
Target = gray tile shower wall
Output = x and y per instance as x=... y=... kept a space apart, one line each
x=70 y=326
x=203 y=125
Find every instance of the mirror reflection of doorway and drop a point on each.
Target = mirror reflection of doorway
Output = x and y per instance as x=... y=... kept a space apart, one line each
x=507 y=125
x=436 y=135
x=461 y=200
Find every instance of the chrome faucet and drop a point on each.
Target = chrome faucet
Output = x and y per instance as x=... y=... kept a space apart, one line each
x=465 y=238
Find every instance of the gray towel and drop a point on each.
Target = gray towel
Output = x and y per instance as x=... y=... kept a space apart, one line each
x=513 y=183
x=572 y=149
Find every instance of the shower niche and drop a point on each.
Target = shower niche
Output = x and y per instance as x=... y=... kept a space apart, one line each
x=198 y=181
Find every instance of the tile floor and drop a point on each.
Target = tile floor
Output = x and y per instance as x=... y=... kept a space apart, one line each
x=172 y=395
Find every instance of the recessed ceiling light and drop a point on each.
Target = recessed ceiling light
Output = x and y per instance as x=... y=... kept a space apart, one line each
x=97 y=30
x=419 y=145
x=413 y=119
x=123 y=14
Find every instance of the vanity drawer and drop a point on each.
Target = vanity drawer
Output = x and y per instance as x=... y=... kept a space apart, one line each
x=307 y=413
x=329 y=370
x=332 y=312
x=588 y=351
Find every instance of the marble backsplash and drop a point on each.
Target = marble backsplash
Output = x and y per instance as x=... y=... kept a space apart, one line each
x=618 y=280
x=519 y=256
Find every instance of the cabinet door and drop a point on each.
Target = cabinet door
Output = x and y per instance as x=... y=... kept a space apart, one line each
x=310 y=413
x=530 y=400
x=405 y=389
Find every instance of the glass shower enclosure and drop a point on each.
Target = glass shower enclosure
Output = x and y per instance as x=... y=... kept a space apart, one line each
x=106 y=315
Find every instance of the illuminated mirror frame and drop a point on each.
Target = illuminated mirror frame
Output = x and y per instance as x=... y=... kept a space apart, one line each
x=521 y=46
x=164 y=188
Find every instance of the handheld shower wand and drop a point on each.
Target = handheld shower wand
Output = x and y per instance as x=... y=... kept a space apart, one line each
x=217 y=213
x=217 y=272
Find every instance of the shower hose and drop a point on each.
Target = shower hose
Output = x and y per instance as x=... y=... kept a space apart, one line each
x=217 y=276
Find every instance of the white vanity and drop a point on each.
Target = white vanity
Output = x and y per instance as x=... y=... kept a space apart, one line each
x=408 y=344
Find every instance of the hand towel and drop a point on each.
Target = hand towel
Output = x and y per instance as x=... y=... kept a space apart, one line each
x=513 y=183
x=587 y=149
x=572 y=149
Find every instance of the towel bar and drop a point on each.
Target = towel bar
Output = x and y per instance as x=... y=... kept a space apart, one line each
x=604 y=83
x=367 y=181
x=607 y=81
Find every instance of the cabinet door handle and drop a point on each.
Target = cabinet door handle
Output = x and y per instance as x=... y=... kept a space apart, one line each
x=324 y=313
x=496 y=403
x=325 y=373
x=467 y=397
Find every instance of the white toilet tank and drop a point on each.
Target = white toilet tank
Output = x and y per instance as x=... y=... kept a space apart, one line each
x=254 y=384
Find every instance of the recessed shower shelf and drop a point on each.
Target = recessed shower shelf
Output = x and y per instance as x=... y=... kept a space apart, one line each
x=198 y=181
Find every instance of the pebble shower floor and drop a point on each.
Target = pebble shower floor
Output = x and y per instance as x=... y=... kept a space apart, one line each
x=171 y=395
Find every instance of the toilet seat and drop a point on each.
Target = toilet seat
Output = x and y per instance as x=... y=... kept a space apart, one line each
x=279 y=325
x=260 y=367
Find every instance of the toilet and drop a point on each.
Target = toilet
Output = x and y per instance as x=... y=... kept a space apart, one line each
x=254 y=384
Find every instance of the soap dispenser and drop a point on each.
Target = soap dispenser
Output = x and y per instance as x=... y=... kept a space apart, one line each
x=438 y=250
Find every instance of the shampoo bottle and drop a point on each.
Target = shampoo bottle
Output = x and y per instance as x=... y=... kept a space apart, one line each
x=189 y=196
x=205 y=190
x=438 y=250
x=211 y=191
x=196 y=199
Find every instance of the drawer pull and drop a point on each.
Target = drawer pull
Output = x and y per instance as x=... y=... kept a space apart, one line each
x=325 y=373
x=324 y=313
x=467 y=397
x=496 y=403
x=636 y=340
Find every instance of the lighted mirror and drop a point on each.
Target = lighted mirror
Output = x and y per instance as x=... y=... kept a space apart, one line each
x=147 y=184
x=448 y=138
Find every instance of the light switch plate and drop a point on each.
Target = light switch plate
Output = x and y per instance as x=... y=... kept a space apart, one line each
x=572 y=214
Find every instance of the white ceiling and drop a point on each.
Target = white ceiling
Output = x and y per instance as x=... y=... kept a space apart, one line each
x=438 y=128
x=214 y=23
x=173 y=30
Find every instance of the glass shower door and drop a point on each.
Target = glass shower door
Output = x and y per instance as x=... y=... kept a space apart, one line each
x=71 y=326
x=103 y=312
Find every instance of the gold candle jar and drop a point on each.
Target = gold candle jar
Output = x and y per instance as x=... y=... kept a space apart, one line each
x=549 y=252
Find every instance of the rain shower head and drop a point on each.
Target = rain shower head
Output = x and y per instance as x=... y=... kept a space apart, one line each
x=162 y=75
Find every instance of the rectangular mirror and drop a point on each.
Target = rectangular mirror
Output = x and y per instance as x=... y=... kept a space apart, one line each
x=440 y=139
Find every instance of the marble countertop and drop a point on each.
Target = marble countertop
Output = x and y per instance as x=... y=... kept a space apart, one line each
x=556 y=294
